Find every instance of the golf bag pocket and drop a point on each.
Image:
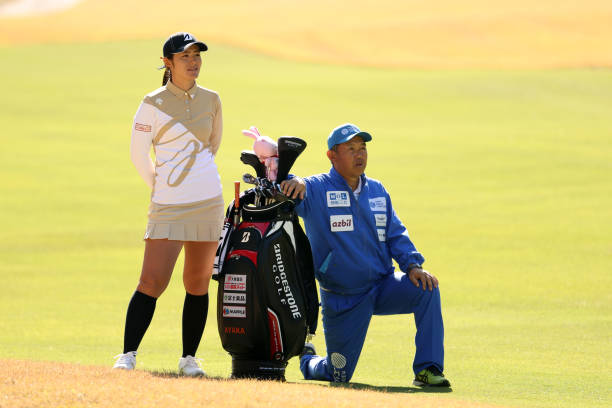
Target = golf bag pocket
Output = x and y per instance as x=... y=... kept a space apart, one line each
x=236 y=306
x=239 y=308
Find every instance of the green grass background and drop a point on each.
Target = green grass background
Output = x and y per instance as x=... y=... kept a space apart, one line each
x=503 y=178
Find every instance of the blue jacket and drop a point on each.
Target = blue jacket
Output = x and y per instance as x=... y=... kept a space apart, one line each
x=353 y=240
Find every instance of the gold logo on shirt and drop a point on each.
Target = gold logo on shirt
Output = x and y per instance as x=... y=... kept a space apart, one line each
x=190 y=151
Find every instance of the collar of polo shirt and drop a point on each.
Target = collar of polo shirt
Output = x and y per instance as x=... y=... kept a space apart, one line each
x=179 y=92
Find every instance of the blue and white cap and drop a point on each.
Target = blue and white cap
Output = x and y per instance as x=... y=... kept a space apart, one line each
x=344 y=133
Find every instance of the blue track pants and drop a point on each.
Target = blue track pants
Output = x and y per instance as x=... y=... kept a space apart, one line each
x=346 y=319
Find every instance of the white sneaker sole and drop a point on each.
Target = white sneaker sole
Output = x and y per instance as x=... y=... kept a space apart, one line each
x=193 y=374
x=123 y=368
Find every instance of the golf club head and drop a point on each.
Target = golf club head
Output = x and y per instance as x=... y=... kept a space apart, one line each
x=289 y=148
x=249 y=179
x=250 y=158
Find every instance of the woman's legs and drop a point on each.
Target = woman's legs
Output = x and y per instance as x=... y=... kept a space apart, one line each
x=159 y=259
x=199 y=259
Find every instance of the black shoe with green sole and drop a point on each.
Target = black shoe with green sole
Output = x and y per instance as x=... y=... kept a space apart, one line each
x=430 y=377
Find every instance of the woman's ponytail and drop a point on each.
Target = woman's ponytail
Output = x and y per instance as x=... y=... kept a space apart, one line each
x=167 y=76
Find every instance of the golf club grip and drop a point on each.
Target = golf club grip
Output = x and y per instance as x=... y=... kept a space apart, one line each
x=289 y=148
x=237 y=193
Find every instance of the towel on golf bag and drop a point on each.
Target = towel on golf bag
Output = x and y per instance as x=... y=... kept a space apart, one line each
x=267 y=300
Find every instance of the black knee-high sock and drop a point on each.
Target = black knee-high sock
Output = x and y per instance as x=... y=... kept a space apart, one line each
x=195 y=312
x=139 y=315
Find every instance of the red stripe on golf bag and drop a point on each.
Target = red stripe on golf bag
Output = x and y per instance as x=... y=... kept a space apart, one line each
x=260 y=226
x=252 y=255
x=276 y=338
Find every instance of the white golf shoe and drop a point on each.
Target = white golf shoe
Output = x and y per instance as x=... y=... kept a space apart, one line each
x=125 y=361
x=190 y=366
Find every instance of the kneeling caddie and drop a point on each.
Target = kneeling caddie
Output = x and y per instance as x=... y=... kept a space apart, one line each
x=355 y=233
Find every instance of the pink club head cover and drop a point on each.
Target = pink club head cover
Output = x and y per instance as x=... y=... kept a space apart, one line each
x=263 y=146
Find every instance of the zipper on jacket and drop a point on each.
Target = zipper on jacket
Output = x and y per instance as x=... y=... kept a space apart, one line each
x=363 y=240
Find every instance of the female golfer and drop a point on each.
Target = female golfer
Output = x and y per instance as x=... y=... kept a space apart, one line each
x=183 y=123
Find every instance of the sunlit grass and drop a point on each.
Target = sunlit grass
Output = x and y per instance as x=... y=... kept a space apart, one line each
x=503 y=179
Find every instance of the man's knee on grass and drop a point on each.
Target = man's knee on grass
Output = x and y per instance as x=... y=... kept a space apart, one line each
x=340 y=368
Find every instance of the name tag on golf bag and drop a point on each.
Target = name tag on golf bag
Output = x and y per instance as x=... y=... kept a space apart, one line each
x=267 y=301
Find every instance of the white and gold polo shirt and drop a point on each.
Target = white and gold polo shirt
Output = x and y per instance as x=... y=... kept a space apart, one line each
x=185 y=130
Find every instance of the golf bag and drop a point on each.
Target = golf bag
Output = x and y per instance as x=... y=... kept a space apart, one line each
x=267 y=300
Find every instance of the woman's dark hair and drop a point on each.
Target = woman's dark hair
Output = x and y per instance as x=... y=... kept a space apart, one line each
x=167 y=76
x=167 y=73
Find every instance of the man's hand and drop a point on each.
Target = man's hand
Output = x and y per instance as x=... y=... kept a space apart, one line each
x=294 y=188
x=418 y=275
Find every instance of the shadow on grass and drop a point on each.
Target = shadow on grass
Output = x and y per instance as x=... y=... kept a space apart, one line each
x=406 y=390
x=174 y=374
x=350 y=386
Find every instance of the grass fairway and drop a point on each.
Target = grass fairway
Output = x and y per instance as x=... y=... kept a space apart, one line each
x=34 y=384
x=502 y=177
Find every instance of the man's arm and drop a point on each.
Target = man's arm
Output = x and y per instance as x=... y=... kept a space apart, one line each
x=298 y=189
x=294 y=188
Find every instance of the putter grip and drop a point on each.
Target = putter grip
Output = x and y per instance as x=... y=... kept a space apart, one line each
x=237 y=193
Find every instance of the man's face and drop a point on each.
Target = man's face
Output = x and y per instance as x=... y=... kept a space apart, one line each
x=350 y=158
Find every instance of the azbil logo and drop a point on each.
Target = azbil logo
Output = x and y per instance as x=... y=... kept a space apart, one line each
x=342 y=223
